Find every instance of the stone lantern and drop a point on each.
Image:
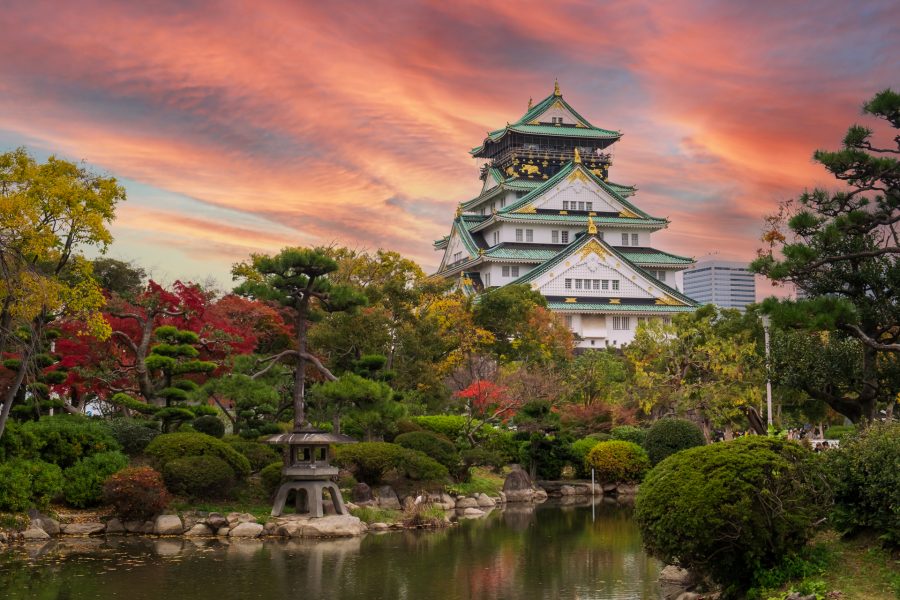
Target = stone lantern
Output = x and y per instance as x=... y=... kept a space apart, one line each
x=307 y=470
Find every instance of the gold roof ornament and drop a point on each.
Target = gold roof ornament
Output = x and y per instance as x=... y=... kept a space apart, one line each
x=458 y=210
x=592 y=229
x=556 y=91
x=530 y=103
x=577 y=158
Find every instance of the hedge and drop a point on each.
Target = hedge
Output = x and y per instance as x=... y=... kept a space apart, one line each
x=172 y=446
x=28 y=483
x=431 y=444
x=668 y=436
x=199 y=476
x=83 y=481
x=618 y=461
x=730 y=510
x=65 y=439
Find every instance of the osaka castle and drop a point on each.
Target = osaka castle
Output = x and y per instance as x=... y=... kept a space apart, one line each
x=548 y=216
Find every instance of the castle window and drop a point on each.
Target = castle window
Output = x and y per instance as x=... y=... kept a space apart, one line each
x=577 y=284
x=554 y=237
x=596 y=284
x=580 y=205
x=496 y=237
x=568 y=319
x=514 y=271
x=529 y=235
x=505 y=271
x=624 y=239
x=605 y=283
x=589 y=205
x=502 y=202
x=568 y=284
x=556 y=120
x=457 y=256
x=634 y=240
x=518 y=235
x=565 y=237
x=487 y=280
x=615 y=285
x=621 y=323
x=565 y=205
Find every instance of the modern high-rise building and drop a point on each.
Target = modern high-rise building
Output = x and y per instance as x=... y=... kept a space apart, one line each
x=726 y=284
x=548 y=217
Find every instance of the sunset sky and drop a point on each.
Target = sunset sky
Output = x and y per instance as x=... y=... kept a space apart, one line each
x=241 y=127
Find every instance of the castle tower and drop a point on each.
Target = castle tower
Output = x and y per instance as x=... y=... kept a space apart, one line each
x=549 y=217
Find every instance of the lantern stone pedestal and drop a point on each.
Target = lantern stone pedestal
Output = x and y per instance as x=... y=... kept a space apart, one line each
x=307 y=471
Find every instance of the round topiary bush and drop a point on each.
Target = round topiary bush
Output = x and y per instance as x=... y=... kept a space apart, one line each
x=729 y=510
x=866 y=473
x=668 y=436
x=579 y=450
x=83 y=481
x=431 y=444
x=199 y=477
x=258 y=453
x=133 y=435
x=629 y=433
x=370 y=462
x=137 y=493
x=451 y=426
x=210 y=425
x=618 y=461
x=171 y=446
x=270 y=476
x=28 y=483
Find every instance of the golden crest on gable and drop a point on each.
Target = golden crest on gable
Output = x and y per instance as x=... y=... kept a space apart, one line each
x=577 y=175
x=528 y=209
x=592 y=247
x=668 y=301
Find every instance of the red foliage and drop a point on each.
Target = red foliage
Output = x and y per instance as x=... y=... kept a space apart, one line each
x=489 y=401
x=137 y=493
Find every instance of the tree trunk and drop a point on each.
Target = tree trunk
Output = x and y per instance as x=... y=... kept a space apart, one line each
x=300 y=373
x=336 y=423
x=14 y=388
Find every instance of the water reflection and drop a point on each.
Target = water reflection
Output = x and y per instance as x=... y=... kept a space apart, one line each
x=521 y=552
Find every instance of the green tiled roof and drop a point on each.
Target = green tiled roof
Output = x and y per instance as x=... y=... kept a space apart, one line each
x=655 y=257
x=623 y=190
x=581 y=241
x=563 y=173
x=585 y=306
x=578 y=219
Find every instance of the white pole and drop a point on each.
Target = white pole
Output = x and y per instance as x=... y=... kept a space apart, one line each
x=765 y=324
x=592 y=482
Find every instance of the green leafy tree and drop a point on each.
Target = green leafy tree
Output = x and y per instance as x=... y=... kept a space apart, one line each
x=119 y=277
x=49 y=213
x=298 y=280
x=841 y=249
x=370 y=404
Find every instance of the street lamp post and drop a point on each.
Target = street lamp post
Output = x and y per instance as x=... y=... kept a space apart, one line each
x=765 y=323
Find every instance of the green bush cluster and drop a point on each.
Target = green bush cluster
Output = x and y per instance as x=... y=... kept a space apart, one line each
x=579 y=450
x=258 y=453
x=203 y=476
x=730 y=510
x=83 y=481
x=28 y=483
x=171 y=446
x=450 y=426
x=545 y=455
x=133 y=435
x=618 y=461
x=210 y=425
x=866 y=473
x=431 y=444
x=270 y=476
x=371 y=462
x=65 y=439
x=629 y=433
x=136 y=493
x=668 y=436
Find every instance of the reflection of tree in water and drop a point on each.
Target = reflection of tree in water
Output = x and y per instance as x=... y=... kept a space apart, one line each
x=521 y=552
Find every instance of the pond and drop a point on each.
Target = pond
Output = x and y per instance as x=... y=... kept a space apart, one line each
x=522 y=552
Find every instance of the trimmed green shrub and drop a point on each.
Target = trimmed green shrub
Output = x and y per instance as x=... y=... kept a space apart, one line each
x=866 y=472
x=450 y=426
x=258 y=453
x=171 y=446
x=546 y=455
x=629 y=433
x=618 y=461
x=270 y=476
x=28 y=483
x=500 y=443
x=199 y=477
x=839 y=432
x=668 y=436
x=730 y=510
x=83 y=481
x=65 y=439
x=210 y=425
x=137 y=493
x=431 y=444
x=133 y=435
x=579 y=450
x=372 y=461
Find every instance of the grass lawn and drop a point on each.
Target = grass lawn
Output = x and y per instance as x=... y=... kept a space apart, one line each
x=861 y=569
x=482 y=481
